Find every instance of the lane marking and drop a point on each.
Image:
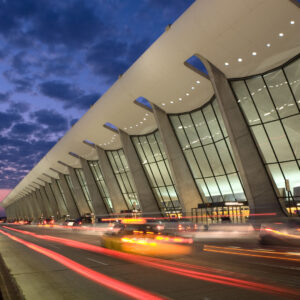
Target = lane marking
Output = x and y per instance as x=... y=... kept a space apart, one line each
x=53 y=246
x=97 y=261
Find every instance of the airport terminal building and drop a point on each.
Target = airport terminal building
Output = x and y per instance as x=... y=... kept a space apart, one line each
x=206 y=121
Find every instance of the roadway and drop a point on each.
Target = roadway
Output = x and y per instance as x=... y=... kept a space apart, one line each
x=46 y=267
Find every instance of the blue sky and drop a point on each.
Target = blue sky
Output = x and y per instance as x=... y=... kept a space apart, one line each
x=57 y=58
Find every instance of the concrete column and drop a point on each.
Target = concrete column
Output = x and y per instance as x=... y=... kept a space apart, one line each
x=47 y=203
x=78 y=193
x=24 y=213
x=40 y=202
x=70 y=201
x=52 y=201
x=185 y=184
x=60 y=201
x=113 y=187
x=97 y=201
x=258 y=188
x=31 y=207
x=143 y=189
x=36 y=207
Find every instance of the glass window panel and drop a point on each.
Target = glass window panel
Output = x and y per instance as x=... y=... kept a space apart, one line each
x=292 y=173
x=190 y=130
x=192 y=163
x=126 y=182
x=224 y=185
x=123 y=163
x=246 y=102
x=202 y=162
x=150 y=176
x=147 y=149
x=201 y=127
x=277 y=175
x=212 y=123
x=293 y=74
x=156 y=174
x=281 y=93
x=164 y=172
x=154 y=147
x=140 y=150
x=262 y=99
x=179 y=132
x=214 y=160
x=202 y=188
x=212 y=186
x=120 y=181
x=292 y=127
x=225 y=156
x=279 y=141
x=263 y=143
x=235 y=183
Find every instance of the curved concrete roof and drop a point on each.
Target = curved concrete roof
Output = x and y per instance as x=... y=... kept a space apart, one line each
x=221 y=31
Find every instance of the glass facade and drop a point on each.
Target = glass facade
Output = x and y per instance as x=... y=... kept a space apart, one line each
x=205 y=143
x=270 y=103
x=83 y=184
x=156 y=166
x=121 y=170
x=97 y=173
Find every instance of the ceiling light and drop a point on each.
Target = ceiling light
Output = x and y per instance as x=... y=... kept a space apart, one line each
x=163 y=104
x=268 y=45
x=145 y=119
x=125 y=128
x=146 y=114
x=226 y=64
x=136 y=125
x=193 y=87
x=180 y=99
x=171 y=102
x=130 y=127
x=254 y=53
x=240 y=59
x=281 y=34
x=292 y=22
x=187 y=94
x=198 y=81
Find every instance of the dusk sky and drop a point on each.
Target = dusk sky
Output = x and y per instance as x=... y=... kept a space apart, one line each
x=57 y=58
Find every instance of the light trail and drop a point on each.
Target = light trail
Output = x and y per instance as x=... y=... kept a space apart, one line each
x=109 y=282
x=227 y=250
x=181 y=269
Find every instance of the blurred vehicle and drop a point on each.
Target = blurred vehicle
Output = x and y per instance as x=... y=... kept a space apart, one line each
x=69 y=222
x=179 y=225
x=283 y=232
x=46 y=221
x=145 y=239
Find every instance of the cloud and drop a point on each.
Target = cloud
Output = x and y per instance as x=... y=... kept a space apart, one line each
x=23 y=130
x=51 y=118
x=4 y=97
x=106 y=58
x=7 y=119
x=18 y=107
x=68 y=94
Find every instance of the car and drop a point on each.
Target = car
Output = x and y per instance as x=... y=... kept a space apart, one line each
x=281 y=232
x=145 y=239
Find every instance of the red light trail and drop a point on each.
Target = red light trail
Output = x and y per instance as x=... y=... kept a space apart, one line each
x=111 y=283
x=181 y=269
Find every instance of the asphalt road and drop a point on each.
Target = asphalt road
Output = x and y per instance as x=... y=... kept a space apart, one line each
x=226 y=269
